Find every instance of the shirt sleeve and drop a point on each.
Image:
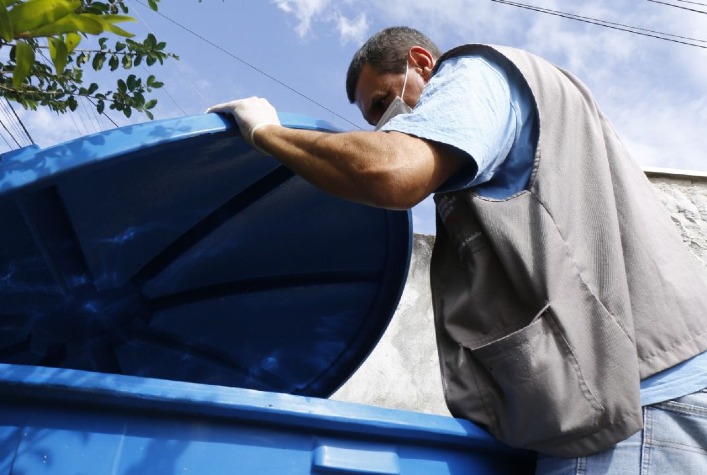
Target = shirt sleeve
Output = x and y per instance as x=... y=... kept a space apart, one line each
x=466 y=104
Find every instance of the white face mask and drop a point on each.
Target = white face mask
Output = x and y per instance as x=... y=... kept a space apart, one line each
x=398 y=106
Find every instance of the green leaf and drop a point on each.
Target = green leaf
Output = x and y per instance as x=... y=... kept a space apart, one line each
x=24 y=60
x=83 y=23
x=6 y=31
x=127 y=62
x=114 y=63
x=100 y=106
x=72 y=103
x=58 y=52
x=82 y=59
x=34 y=14
x=151 y=103
x=72 y=40
x=98 y=61
x=108 y=23
x=97 y=6
x=153 y=4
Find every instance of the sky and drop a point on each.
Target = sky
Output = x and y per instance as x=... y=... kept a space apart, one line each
x=295 y=53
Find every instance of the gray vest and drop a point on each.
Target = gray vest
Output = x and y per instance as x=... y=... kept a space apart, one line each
x=552 y=305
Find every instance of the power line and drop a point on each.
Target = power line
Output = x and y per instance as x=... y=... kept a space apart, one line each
x=694 y=3
x=616 y=26
x=10 y=125
x=93 y=114
x=10 y=134
x=683 y=8
x=13 y=121
x=103 y=113
x=90 y=114
x=20 y=122
x=83 y=122
x=252 y=66
x=166 y=90
x=5 y=140
x=76 y=125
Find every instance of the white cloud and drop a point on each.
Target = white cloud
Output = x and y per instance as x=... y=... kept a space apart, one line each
x=353 y=30
x=49 y=127
x=306 y=11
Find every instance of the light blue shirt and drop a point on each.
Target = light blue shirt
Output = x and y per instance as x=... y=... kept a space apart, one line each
x=481 y=105
x=485 y=110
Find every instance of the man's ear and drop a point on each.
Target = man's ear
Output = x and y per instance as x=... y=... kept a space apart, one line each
x=420 y=58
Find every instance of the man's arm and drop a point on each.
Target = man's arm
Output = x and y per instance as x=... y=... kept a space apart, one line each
x=384 y=169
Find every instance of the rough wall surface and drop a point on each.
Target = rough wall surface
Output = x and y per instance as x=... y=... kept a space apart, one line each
x=686 y=200
x=402 y=372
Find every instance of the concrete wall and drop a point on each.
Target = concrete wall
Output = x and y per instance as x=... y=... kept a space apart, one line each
x=402 y=372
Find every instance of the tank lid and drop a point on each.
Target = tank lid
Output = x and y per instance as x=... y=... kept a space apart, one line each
x=172 y=249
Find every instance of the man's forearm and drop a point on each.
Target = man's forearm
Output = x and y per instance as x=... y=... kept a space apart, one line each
x=389 y=170
x=384 y=169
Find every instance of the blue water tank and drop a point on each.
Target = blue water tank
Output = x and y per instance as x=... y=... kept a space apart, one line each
x=172 y=301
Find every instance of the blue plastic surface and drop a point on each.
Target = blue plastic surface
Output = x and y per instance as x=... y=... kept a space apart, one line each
x=173 y=250
x=58 y=421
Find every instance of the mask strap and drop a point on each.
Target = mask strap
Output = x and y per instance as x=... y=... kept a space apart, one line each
x=405 y=81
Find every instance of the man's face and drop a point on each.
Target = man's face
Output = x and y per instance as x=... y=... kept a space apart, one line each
x=375 y=91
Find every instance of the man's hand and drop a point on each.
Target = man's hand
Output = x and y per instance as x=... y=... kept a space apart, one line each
x=250 y=114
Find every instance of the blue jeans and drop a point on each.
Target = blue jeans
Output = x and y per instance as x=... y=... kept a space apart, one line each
x=673 y=442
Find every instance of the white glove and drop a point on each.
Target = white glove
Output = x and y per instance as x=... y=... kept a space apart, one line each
x=250 y=114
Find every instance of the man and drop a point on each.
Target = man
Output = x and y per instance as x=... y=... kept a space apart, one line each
x=569 y=315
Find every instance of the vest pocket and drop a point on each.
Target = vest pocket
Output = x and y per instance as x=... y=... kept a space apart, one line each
x=536 y=386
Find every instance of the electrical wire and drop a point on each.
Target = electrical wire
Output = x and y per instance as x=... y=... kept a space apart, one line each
x=10 y=123
x=15 y=124
x=682 y=8
x=104 y=114
x=183 y=75
x=80 y=116
x=20 y=122
x=253 y=67
x=616 y=26
x=93 y=115
x=87 y=114
x=5 y=140
x=76 y=125
x=10 y=134
x=11 y=126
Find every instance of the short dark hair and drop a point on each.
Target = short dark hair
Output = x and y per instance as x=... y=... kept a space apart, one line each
x=386 y=52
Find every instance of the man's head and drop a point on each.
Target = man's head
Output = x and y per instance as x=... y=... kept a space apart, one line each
x=381 y=63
